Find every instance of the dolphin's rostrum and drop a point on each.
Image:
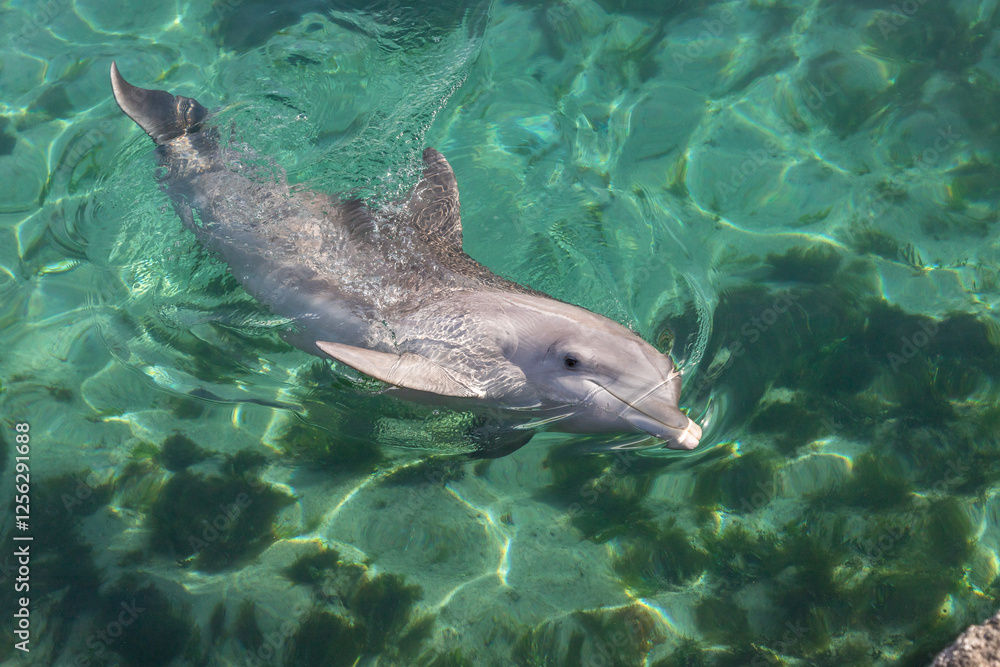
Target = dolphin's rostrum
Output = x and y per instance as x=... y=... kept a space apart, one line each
x=392 y=294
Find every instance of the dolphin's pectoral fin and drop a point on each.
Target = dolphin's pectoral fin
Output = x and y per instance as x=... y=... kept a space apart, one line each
x=433 y=208
x=407 y=370
x=163 y=116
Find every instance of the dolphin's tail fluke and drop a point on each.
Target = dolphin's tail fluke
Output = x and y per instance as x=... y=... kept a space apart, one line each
x=163 y=116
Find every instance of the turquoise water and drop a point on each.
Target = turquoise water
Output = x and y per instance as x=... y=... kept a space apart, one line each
x=798 y=199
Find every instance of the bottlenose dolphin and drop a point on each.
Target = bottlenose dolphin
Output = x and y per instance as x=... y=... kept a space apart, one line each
x=391 y=293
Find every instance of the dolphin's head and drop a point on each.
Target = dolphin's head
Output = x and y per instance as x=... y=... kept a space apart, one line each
x=595 y=372
x=527 y=352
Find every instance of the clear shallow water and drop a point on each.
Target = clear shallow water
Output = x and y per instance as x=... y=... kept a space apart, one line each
x=800 y=197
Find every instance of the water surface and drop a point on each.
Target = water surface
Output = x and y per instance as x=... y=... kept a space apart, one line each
x=798 y=199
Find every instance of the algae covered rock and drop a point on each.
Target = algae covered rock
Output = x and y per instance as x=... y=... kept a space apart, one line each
x=978 y=646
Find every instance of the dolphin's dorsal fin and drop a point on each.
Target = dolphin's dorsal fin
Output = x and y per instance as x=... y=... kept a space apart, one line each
x=433 y=208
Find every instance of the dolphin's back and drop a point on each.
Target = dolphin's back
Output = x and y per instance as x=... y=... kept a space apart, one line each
x=385 y=263
x=338 y=268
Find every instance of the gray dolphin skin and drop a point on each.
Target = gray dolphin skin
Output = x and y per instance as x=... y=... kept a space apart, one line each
x=391 y=293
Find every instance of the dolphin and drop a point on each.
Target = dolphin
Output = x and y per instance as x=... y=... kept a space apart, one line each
x=391 y=293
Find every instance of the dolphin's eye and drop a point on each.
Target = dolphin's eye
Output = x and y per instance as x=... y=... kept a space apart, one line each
x=569 y=361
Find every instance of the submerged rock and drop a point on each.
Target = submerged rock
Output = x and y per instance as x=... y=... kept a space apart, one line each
x=978 y=646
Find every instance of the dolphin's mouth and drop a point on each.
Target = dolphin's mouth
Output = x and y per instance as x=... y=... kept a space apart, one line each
x=657 y=417
x=686 y=437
